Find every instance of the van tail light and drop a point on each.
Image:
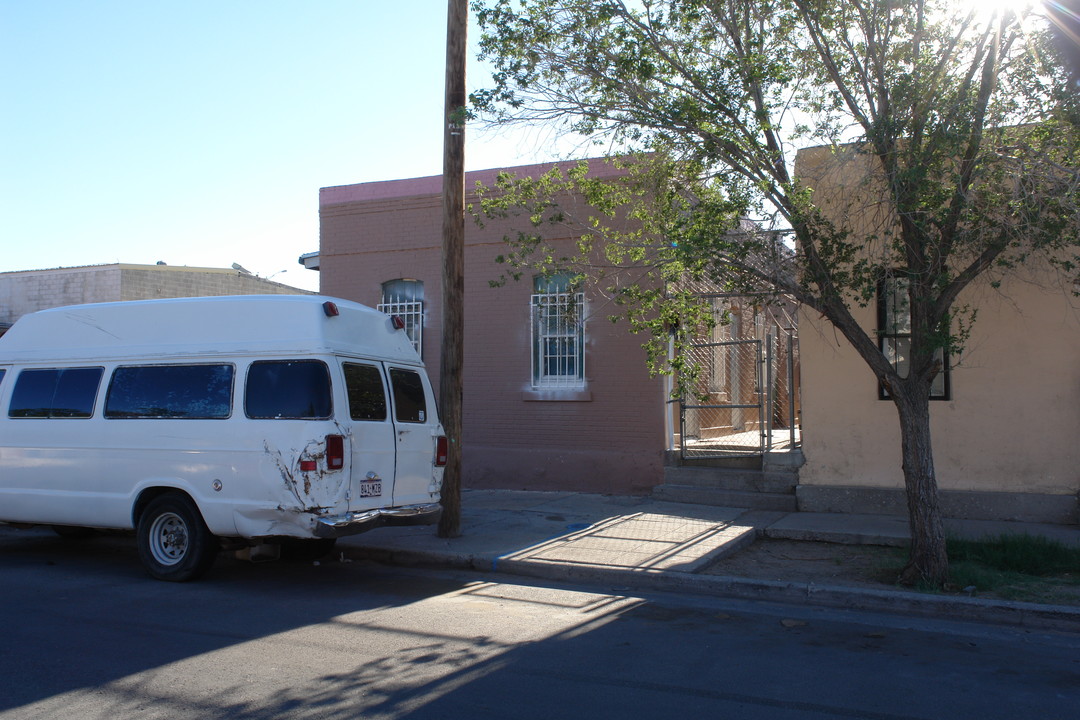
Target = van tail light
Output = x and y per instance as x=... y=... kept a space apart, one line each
x=335 y=452
x=442 y=451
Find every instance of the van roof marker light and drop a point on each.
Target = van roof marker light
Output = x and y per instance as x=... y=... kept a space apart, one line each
x=399 y=324
x=331 y=309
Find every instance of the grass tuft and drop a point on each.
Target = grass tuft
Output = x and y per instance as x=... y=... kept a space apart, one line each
x=1015 y=567
x=1025 y=554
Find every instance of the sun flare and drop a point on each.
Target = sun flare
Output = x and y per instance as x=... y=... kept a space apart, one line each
x=996 y=7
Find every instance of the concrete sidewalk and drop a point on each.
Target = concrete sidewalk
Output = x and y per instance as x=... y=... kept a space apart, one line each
x=639 y=543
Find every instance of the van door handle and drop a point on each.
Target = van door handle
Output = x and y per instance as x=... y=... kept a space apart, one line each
x=374 y=477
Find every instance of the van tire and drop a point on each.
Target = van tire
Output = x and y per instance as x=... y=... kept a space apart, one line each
x=174 y=542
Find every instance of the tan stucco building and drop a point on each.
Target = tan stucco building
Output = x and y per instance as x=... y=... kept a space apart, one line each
x=1005 y=436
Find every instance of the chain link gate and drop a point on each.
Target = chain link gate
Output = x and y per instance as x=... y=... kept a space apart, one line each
x=745 y=390
x=728 y=406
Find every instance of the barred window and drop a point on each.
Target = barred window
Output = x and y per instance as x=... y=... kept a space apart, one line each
x=405 y=299
x=558 y=333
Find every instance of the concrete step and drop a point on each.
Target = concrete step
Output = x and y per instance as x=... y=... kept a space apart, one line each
x=766 y=481
x=782 y=502
x=731 y=462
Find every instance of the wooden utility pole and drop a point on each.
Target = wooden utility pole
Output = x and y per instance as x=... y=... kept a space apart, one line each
x=453 y=257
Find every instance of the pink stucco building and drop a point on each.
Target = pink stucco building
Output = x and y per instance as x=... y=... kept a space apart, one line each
x=548 y=404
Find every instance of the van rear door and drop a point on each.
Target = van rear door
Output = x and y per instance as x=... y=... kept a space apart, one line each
x=371 y=436
x=416 y=426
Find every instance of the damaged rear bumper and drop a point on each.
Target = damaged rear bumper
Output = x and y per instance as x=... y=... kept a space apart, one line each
x=354 y=523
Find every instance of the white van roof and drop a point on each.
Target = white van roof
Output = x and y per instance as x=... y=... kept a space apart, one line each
x=226 y=325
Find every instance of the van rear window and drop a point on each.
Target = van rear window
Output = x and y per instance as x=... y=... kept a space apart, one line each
x=288 y=389
x=171 y=392
x=409 y=403
x=55 y=393
x=367 y=398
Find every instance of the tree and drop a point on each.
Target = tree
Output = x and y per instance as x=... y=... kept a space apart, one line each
x=958 y=123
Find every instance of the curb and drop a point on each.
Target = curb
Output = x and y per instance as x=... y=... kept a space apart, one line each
x=999 y=612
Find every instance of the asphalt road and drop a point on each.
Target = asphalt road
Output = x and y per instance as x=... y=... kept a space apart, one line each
x=85 y=634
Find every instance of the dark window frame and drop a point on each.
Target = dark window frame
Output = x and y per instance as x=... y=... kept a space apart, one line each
x=887 y=334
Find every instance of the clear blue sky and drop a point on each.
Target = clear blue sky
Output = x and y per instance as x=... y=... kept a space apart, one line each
x=199 y=132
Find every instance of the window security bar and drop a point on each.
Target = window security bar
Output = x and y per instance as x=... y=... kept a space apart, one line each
x=413 y=315
x=558 y=339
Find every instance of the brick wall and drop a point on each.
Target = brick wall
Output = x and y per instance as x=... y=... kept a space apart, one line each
x=611 y=442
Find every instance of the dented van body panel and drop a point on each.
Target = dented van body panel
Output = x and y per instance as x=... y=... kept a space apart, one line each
x=278 y=416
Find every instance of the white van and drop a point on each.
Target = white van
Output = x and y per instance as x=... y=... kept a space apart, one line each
x=203 y=422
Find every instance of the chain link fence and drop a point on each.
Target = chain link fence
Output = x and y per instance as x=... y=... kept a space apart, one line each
x=745 y=399
x=726 y=410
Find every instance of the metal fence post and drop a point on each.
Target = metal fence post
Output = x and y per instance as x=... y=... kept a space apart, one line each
x=768 y=391
x=791 y=386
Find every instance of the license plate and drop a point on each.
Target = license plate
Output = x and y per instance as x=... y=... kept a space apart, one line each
x=371 y=488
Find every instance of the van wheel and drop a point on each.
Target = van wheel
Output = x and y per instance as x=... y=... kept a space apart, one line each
x=306 y=550
x=174 y=542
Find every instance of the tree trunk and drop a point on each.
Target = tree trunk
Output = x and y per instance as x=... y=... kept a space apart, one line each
x=928 y=561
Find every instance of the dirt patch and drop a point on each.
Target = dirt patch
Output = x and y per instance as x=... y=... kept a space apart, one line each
x=813 y=562
x=869 y=566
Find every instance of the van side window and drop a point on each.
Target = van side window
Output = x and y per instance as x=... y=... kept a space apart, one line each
x=170 y=391
x=367 y=399
x=409 y=403
x=288 y=389
x=55 y=393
